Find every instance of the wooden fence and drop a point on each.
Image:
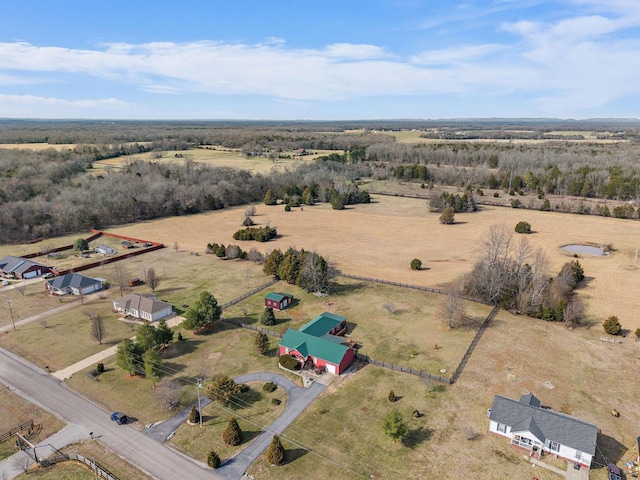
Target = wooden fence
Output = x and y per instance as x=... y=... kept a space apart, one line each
x=400 y=368
x=95 y=467
x=248 y=294
x=20 y=428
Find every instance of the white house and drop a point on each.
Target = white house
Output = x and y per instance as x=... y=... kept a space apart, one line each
x=145 y=307
x=104 y=250
x=73 y=283
x=539 y=430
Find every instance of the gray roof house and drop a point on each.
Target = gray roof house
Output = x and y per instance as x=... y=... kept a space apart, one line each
x=145 y=307
x=530 y=426
x=73 y=283
x=22 y=268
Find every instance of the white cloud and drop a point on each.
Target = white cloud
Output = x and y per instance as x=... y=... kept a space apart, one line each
x=455 y=54
x=51 y=107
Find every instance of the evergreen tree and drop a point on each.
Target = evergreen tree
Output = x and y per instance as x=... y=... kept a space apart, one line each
x=164 y=335
x=262 y=343
x=194 y=415
x=146 y=337
x=213 y=459
x=275 y=452
x=270 y=198
x=205 y=312
x=152 y=365
x=272 y=262
x=268 y=317
x=81 y=245
x=232 y=435
x=612 y=325
x=222 y=390
x=127 y=356
x=447 y=217
x=394 y=425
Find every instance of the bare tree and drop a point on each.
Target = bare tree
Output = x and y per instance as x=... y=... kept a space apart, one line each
x=170 y=393
x=250 y=211
x=120 y=276
x=21 y=289
x=153 y=280
x=98 y=329
x=574 y=312
x=175 y=246
x=451 y=310
x=390 y=307
x=22 y=461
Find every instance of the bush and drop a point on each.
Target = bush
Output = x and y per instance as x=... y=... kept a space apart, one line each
x=637 y=332
x=515 y=203
x=288 y=362
x=496 y=195
x=275 y=452
x=248 y=222
x=194 y=415
x=392 y=396
x=523 y=227
x=180 y=337
x=269 y=387
x=213 y=459
x=287 y=208
x=447 y=217
x=612 y=325
x=100 y=367
x=232 y=435
x=276 y=401
x=416 y=264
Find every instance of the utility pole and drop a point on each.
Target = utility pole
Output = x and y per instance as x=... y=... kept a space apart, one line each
x=11 y=313
x=635 y=259
x=199 y=380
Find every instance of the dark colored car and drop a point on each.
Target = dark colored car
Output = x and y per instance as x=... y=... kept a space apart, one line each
x=614 y=472
x=119 y=417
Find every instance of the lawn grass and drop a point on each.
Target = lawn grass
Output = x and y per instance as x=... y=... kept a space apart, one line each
x=226 y=350
x=254 y=412
x=16 y=411
x=72 y=470
x=34 y=300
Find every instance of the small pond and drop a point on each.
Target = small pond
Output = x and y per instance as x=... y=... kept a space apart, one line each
x=586 y=249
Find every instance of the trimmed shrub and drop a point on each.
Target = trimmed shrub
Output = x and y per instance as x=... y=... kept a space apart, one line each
x=637 y=332
x=416 y=264
x=213 y=459
x=392 y=396
x=288 y=362
x=269 y=387
x=276 y=401
x=100 y=367
x=194 y=415
x=287 y=208
x=232 y=435
x=612 y=325
x=275 y=452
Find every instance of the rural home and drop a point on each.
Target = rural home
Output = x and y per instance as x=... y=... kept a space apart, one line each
x=278 y=301
x=74 y=284
x=530 y=426
x=21 y=268
x=145 y=307
x=104 y=250
x=318 y=344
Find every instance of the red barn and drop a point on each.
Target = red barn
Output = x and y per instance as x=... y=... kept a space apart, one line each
x=278 y=301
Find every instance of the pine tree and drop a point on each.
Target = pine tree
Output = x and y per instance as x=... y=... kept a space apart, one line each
x=392 y=396
x=394 y=425
x=194 y=415
x=270 y=198
x=232 y=435
x=275 y=452
x=262 y=343
x=268 y=317
x=213 y=459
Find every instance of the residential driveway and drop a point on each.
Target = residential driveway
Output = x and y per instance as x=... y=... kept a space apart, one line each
x=299 y=399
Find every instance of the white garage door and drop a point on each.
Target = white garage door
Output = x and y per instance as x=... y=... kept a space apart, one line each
x=331 y=368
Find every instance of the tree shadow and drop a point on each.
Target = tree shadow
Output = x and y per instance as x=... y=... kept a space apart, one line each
x=345 y=289
x=178 y=349
x=249 y=435
x=609 y=451
x=417 y=436
x=173 y=367
x=584 y=283
x=293 y=454
x=250 y=397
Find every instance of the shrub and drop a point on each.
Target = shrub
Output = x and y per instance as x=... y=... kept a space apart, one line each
x=416 y=264
x=194 y=415
x=248 y=222
x=261 y=343
x=523 y=227
x=287 y=208
x=268 y=317
x=276 y=401
x=232 y=435
x=275 y=452
x=496 y=195
x=447 y=217
x=213 y=459
x=180 y=337
x=392 y=396
x=288 y=362
x=516 y=203
x=637 y=332
x=100 y=367
x=269 y=387
x=612 y=325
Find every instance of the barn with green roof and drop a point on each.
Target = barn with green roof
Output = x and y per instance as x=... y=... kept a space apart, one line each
x=278 y=301
x=320 y=344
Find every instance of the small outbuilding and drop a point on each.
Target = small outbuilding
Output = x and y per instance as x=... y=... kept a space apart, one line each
x=104 y=250
x=278 y=301
x=74 y=284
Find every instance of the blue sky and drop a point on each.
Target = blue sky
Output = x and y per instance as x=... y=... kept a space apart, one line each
x=319 y=60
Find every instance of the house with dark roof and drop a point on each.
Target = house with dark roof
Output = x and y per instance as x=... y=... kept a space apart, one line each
x=144 y=307
x=320 y=344
x=74 y=284
x=278 y=301
x=530 y=426
x=21 y=268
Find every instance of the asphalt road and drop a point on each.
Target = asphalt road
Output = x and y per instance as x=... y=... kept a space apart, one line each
x=133 y=445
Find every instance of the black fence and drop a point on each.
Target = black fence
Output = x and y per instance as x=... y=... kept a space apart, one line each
x=20 y=428
x=248 y=294
x=400 y=368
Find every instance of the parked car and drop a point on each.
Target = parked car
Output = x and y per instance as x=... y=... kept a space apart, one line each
x=614 y=472
x=119 y=417
x=5 y=282
x=50 y=275
x=148 y=244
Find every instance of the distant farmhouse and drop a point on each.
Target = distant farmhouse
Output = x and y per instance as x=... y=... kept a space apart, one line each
x=104 y=250
x=278 y=301
x=320 y=344
x=538 y=430
x=74 y=284
x=21 y=268
x=144 y=307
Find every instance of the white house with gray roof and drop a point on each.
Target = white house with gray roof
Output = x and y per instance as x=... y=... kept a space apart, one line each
x=538 y=429
x=145 y=307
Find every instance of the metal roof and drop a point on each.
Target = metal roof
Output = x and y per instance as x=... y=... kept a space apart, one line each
x=72 y=280
x=315 y=346
x=322 y=324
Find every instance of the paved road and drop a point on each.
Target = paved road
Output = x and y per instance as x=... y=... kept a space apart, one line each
x=133 y=445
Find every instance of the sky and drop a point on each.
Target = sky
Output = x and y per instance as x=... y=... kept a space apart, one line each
x=319 y=59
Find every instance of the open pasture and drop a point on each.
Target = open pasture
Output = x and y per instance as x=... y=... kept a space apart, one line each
x=380 y=239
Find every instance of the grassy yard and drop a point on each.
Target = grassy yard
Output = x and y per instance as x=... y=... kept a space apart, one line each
x=72 y=470
x=224 y=350
x=15 y=411
x=256 y=411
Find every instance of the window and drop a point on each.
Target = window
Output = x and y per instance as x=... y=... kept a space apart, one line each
x=502 y=428
x=554 y=446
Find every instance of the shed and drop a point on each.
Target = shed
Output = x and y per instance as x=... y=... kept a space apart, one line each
x=104 y=250
x=278 y=301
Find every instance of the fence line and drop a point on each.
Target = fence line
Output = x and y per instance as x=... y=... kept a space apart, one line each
x=400 y=368
x=248 y=294
x=25 y=426
x=408 y=285
x=95 y=467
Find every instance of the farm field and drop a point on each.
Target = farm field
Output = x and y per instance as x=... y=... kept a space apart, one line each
x=380 y=239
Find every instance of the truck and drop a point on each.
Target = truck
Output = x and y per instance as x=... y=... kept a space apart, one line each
x=119 y=417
